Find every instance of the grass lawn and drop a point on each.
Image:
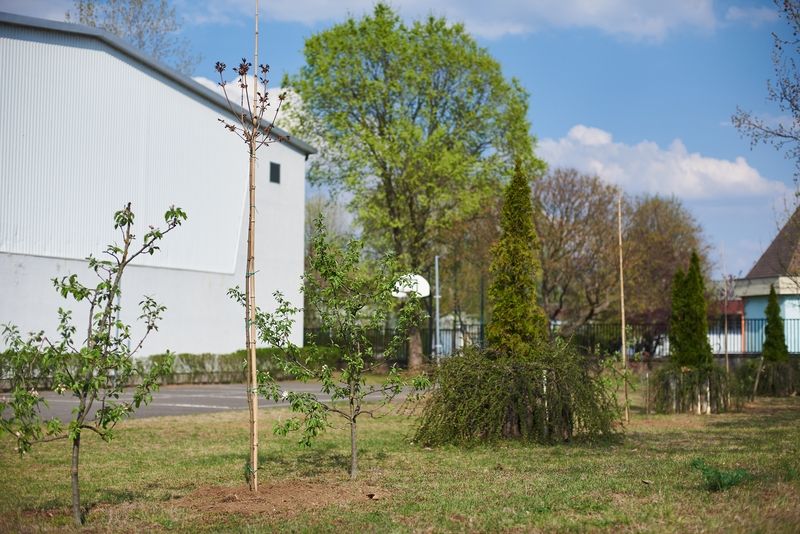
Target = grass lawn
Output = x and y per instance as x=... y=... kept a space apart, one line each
x=186 y=474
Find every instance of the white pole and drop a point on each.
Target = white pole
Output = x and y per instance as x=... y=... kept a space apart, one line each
x=437 y=297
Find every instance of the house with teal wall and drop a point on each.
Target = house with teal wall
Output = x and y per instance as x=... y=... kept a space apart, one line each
x=779 y=266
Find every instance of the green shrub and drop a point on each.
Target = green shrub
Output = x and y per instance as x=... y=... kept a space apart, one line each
x=548 y=396
x=778 y=379
x=719 y=479
x=230 y=368
x=677 y=389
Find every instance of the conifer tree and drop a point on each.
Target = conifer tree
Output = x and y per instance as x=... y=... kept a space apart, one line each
x=518 y=321
x=676 y=323
x=774 y=349
x=688 y=336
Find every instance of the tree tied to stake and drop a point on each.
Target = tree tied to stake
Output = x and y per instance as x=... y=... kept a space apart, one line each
x=351 y=296
x=251 y=128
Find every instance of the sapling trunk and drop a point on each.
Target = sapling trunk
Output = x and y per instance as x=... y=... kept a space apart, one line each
x=353 y=449
x=355 y=408
x=76 y=491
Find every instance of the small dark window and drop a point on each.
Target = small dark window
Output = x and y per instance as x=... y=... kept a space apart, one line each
x=275 y=172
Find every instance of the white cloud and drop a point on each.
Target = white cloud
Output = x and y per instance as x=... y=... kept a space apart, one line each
x=647 y=168
x=651 y=20
x=754 y=16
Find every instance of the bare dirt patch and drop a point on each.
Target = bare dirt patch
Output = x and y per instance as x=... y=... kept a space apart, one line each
x=284 y=498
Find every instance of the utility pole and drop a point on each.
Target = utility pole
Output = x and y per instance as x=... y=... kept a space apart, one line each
x=437 y=298
x=624 y=347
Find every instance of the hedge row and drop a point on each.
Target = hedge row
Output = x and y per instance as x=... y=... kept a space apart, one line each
x=212 y=368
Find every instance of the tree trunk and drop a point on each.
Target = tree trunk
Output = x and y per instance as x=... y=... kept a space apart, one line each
x=77 y=516
x=353 y=450
x=415 y=349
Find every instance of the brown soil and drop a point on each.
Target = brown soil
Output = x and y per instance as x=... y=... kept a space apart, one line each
x=283 y=498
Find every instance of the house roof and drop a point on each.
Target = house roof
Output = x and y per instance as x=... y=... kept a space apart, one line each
x=114 y=42
x=782 y=257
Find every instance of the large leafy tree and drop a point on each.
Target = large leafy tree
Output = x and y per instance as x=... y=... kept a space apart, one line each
x=577 y=224
x=416 y=123
x=659 y=235
x=518 y=321
x=150 y=26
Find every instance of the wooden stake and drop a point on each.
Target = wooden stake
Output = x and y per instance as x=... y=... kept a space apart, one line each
x=250 y=278
x=624 y=347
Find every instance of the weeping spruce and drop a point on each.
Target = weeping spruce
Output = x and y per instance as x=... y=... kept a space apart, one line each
x=523 y=385
x=690 y=381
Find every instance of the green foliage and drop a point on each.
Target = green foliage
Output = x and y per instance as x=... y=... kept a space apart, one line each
x=688 y=335
x=518 y=322
x=659 y=233
x=774 y=349
x=231 y=367
x=95 y=369
x=679 y=389
x=351 y=296
x=719 y=479
x=415 y=122
x=549 y=397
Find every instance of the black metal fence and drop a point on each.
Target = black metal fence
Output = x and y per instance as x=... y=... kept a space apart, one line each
x=744 y=336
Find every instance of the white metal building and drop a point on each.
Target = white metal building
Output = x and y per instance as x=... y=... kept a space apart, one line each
x=88 y=124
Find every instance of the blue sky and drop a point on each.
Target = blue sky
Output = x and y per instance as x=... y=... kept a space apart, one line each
x=639 y=92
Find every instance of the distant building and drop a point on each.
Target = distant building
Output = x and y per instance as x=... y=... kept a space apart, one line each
x=88 y=124
x=779 y=266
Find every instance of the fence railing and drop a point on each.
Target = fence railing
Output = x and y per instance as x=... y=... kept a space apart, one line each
x=651 y=340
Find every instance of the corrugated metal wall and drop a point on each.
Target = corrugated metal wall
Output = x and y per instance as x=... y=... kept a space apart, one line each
x=85 y=129
x=82 y=126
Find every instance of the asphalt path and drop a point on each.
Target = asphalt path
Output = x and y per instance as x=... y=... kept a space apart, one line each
x=183 y=400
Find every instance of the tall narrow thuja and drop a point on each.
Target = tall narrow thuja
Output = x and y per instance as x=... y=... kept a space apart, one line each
x=688 y=336
x=775 y=349
x=691 y=381
x=250 y=126
x=518 y=321
x=779 y=375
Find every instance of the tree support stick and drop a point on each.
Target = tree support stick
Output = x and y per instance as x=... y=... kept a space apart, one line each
x=250 y=286
x=77 y=516
x=624 y=348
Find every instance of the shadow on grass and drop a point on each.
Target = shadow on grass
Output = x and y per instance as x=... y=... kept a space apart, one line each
x=312 y=461
x=291 y=458
x=112 y=496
